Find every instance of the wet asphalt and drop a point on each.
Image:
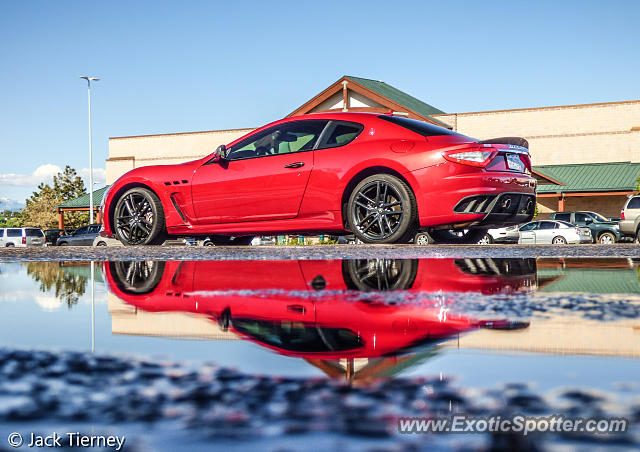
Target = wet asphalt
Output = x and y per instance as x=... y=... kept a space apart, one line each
x=83 y=253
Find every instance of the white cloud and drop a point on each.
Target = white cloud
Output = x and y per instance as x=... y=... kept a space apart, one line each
x=44 y=173
x=10 y=204
x=48 y=302
x=99 y=177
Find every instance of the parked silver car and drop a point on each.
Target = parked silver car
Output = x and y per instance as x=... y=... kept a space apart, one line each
x=83 y=236
x=630 y=218
x=553 y=232
x=21 y=237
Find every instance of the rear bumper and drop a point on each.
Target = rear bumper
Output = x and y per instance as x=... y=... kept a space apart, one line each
x=454 y=195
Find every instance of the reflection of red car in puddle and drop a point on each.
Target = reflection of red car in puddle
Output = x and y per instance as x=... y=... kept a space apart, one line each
x=304 y=308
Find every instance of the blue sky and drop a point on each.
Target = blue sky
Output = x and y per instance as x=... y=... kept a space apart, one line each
x=187 y=66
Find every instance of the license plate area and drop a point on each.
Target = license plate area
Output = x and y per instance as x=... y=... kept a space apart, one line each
x=515 y=163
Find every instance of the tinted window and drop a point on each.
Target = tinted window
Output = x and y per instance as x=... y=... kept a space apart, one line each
x=581 y=218
x=1 y=232
x=82 y=230
x=563 y=216
x=33 y=233
x=529 y=227
x=298 y=337
x=14 y=232
x=94 y=229
x=423 y=128
x=564 y=224
x=286 y=138
x=634 y=203
x=342 y=134
x=547 y=225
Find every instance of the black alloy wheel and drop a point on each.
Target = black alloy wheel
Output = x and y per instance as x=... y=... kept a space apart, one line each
x=382 y=209
x=139 y=218
x=379 y=274
x=137 y=277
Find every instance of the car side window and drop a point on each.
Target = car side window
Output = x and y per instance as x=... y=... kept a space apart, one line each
x=634 y=203
x=1 y=232
x=529 y=227
x=93 y=229
x=14 y=232
x=548 y=225
x=562 y=216
x=341 y=133
x=295 y=136
x=82 y=230
x=581 y=218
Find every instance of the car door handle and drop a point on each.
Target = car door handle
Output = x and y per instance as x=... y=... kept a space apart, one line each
x=294 y=165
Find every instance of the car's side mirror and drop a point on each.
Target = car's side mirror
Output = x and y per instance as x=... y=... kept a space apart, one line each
x=220 y=153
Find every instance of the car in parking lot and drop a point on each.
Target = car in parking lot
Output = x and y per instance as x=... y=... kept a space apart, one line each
x=83 y=236
x=553 y=232
x=380 y=176
x=52 y=235
x=21 y=237
x=630 y=218
x=603 y=231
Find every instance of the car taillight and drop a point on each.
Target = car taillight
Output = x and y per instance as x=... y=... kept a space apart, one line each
x=473 y=158
x=622 y=214
x=24 y=240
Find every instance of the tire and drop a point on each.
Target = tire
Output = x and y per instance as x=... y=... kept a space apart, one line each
x=559 y=240
x=136 y=277
x=63 y=244
x=101 y=244
x=606 y=238
x=225 y=240
x=9 y=245
x=453 y=237
x=382 y=209
x=379 y=274
x=138 y=218
x=423 y=238
x=486 y=240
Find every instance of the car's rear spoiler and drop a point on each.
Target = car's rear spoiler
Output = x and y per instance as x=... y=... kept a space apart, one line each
x=516 y=141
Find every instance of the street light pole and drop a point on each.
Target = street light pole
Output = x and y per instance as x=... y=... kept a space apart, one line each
x=89 y=80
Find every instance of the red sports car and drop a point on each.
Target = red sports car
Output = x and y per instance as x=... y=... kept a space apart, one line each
x=382 y=177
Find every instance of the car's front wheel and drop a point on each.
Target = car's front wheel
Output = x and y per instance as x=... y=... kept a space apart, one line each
x=606 y=238
x=559 y=240
x=139 y=218
x=382 y=209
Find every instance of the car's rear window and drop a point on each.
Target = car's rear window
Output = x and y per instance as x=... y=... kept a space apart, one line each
x=33 y=233
x=423 y=128
x=14 y=232
x=634 y=203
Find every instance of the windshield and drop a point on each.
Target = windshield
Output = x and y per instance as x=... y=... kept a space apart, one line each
x=597 y=216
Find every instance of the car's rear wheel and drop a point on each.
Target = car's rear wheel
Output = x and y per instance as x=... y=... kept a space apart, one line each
x=485 y=240
x=454 y=237
x=382 y=209
x=139 y=218
x=559 y=240
x=101 y=243
x=422 y=238
x=606 y=238
x=63 y=244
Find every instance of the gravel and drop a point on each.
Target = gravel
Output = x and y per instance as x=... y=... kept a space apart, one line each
x=209 y=401
x=73 y=253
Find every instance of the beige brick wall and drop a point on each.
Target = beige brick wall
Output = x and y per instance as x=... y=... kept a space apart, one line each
x=126 y=153
x=592 y=133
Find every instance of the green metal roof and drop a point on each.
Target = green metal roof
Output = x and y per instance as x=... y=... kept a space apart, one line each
x=83 y=201
x=590 y=177
x=591 y=280
x=400 y=97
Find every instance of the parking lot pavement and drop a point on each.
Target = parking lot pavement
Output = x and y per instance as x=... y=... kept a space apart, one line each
x=71 y=253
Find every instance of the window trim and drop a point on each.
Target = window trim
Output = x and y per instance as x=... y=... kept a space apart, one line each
x=326 y=133
x=252 y=137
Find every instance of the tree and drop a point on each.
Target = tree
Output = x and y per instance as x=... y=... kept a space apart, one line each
x=10 y=219
x=67 y=287
x=41 y=208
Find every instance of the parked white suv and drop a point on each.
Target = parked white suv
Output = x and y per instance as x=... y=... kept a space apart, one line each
x=21 y=237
